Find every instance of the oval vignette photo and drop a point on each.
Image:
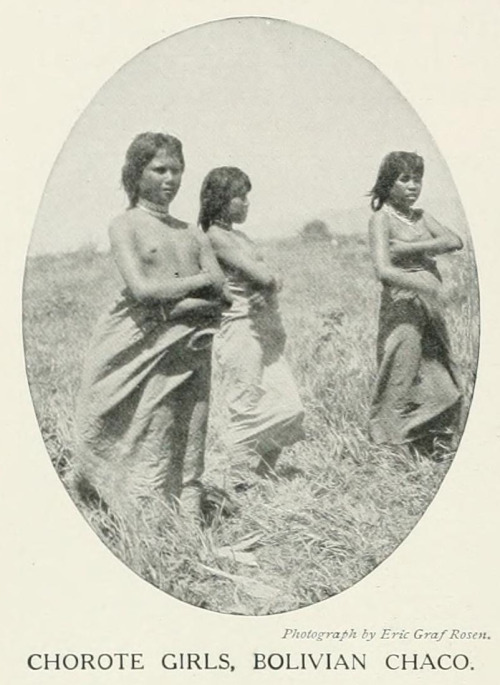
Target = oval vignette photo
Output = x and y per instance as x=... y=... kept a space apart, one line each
x=251 y=316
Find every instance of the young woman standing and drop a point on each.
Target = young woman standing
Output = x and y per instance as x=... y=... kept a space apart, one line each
x=143 y=404
x=264 y=411
x=417 y=395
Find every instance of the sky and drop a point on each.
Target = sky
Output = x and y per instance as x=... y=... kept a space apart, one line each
x=308 y=120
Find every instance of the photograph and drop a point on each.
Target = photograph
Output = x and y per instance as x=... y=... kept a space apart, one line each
x=251 y=316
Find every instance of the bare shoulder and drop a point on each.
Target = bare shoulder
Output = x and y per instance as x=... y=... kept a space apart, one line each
x=378 y=221
x=428 y=217
x=430 y=222
x=219 y=237
x=243 y=237
x=379 y=231
x=198 y=234
x=122 y=225
x=229 y=242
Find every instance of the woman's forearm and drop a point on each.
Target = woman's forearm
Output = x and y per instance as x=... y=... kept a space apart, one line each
x=432 y=246
x=194 y=305
x=420 y=281
x=169 y=290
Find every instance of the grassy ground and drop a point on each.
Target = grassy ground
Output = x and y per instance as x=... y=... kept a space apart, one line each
x=340 y=505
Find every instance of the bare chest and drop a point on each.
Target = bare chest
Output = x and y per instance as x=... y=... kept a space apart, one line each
x=409 y=232
x=166 y=248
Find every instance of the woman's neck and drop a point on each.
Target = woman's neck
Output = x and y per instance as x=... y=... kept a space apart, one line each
x=400 y=208
x=222 y=223
x=160 y=211
x=405 y=211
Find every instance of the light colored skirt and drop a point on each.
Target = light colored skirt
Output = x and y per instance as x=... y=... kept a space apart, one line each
x=263 y=409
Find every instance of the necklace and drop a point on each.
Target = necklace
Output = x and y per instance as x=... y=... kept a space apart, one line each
x=158 y=211
x=406 y=218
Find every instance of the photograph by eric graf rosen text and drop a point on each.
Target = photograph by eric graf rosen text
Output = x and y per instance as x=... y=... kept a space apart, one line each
x=250 y=336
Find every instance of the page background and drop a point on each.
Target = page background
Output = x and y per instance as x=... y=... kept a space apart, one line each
x=63 y=590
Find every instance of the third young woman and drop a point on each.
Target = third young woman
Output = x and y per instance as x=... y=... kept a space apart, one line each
x=417 y=395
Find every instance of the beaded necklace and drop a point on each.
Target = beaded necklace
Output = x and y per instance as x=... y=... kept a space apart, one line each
x=407 y=219
x=158 y=211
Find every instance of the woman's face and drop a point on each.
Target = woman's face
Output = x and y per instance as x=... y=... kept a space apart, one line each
x=161 y=178
x=238 y=208
x=406 y=190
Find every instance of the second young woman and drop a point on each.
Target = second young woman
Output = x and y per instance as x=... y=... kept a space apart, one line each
x=264 y=411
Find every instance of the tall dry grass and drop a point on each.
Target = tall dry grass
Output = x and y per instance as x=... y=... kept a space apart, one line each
x=340 y=504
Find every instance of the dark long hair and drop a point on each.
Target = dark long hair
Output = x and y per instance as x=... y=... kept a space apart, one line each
x=140 y=152
x=394 y=164
x=219 y=187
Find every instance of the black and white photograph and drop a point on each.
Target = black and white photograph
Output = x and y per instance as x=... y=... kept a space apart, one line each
x=250 y=341
x=251 y=316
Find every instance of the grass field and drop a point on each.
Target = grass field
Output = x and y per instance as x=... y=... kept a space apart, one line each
x=340 y=505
